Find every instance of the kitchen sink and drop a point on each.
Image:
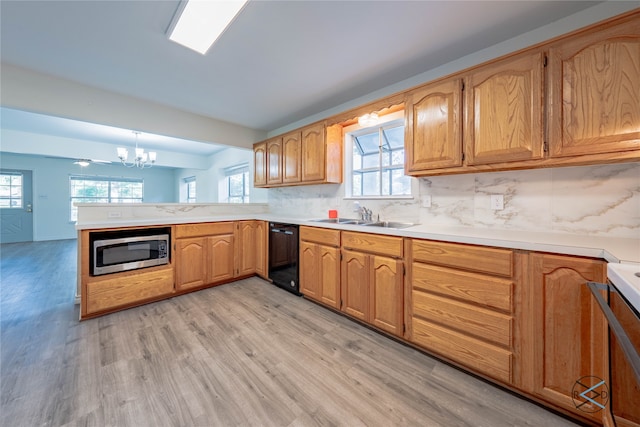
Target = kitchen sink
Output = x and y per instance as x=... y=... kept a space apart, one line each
x=389 y=224
x=352 y=221
x=336 y=220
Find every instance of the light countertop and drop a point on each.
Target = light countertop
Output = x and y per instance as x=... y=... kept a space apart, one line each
x=611 y=249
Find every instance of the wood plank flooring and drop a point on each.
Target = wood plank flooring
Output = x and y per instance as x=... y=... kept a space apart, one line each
x=241 y=354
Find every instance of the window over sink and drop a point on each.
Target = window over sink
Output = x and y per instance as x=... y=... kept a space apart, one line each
x=374 y=162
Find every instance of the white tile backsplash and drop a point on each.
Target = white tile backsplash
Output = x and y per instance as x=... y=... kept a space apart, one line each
x=601 y=200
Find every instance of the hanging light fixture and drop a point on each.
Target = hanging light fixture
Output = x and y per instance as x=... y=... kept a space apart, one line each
x=368 y=120
x=141 y=160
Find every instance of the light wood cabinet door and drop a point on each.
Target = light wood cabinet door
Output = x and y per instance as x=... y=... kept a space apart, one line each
x=220 y=257
x=504 y=110
x=355 y=284
x=595 y=91
x=291 y=157
x=386 y=294
x=260 y=164
x=433 y=135
x=274 y=161
x=329 y=262
x=309 y=270
x=261 y=244
x=246 y=249
x=570 y=339
x=313 y=153
x=122 y=291
x=191 y=262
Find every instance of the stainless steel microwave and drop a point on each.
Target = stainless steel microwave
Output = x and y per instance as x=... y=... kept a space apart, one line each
x=111 y=255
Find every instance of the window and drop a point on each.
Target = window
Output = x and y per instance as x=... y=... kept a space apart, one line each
x=87 y=189
x=237 y=183
x=10 y=190
x=377 y=162
x=191 y=189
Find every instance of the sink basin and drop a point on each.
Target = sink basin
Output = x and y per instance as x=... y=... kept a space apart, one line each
x=336 y=220
x=351 y=221
x=390 y=224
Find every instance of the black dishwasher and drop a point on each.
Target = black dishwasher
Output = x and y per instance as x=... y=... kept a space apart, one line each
x=283 y=256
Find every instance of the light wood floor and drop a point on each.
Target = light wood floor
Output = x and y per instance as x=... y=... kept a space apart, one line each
x=240 y=354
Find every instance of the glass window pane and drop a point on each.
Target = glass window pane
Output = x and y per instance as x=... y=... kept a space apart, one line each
x=395 y=136
x=356 y=187
x=371 y=161
x=357 y=159
x=371 y=183
x=401 y=184
x=369 y=143
x=5 y=203
x=5 y=190
x=397 y=157
x=5 y=179
x=235 y=185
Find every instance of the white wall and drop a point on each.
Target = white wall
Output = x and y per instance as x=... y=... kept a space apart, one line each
x=208 y=182
x=51 y=189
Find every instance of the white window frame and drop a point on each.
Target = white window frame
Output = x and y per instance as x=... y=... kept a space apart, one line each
x=190 y=183
x=10 y=197
x=389 y=120
x=73 y=212
x=246 y=182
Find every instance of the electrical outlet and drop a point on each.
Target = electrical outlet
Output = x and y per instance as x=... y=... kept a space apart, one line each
x=497 y=202
x=426 y=201
x=114 y=214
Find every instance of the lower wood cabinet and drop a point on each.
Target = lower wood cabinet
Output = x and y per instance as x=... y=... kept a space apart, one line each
x=462 y=305
x=127 y=289
x=569 y=339
x=251 y=248
x=320 y=265
x=373 y=280
x=207 y=259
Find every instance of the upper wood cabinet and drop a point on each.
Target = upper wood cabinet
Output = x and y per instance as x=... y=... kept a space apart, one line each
x=595 y=91
x=260 y=164
x=311 y=155
x=433 y=134
x=274 y=161
x=291 y=157
x=504 y=106
x=314 y=153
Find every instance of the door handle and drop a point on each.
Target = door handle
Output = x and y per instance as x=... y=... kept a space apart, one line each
x=29 y=208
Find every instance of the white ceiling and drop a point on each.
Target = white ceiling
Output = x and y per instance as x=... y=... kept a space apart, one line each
x=279 y=62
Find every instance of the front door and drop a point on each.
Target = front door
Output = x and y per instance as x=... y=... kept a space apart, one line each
x=16 y=206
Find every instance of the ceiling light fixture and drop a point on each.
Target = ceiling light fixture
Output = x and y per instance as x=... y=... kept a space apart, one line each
x=198 y=23
x=368 y=120
x=141 y=160
x=82 y=163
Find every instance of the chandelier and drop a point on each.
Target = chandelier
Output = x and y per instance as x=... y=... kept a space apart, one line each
x=141 y=160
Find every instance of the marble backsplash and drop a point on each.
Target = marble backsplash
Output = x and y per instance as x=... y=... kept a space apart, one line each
x=601 y=200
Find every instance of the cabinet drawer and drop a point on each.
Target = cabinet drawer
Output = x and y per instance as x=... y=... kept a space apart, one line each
x=203 y=229
x=493 y=292
x=467 y=257
x=120 y=291
x=478 y=355
x=373 y=243
x=471 y=320
x=320 y=235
